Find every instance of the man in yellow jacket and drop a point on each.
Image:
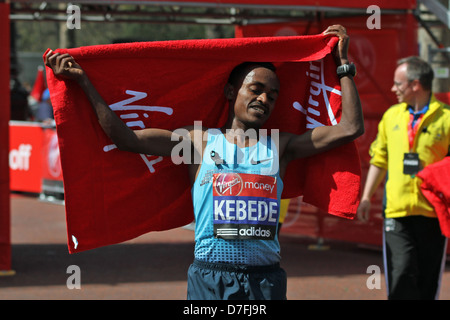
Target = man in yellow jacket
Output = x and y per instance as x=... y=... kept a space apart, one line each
x=411 y=135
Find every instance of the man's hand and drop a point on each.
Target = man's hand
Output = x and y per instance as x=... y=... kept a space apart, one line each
x=363 y=210
x=64 y=65
x=341 y=50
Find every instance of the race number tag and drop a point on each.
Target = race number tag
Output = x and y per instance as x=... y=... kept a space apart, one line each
x=411 y=164
x=245 y=206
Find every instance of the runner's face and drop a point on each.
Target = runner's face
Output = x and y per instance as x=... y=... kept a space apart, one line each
x=256 y=97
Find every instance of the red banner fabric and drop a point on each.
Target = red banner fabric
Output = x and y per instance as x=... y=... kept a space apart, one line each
x=112 y=196
x=436 y=188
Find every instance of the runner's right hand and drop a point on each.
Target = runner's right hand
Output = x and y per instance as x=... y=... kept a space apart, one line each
x=64 y=65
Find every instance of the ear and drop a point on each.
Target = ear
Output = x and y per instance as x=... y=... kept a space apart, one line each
x=229 y=91
x=416 y=86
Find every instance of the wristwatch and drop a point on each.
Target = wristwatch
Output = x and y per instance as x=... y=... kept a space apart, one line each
x=346 y=69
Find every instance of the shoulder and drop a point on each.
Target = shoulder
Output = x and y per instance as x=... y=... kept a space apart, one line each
x=393 y=112
x=200 y=135
x=192 y=131
x=442 y=108
x=446 y=108
x=446 y=113
x=395 y=109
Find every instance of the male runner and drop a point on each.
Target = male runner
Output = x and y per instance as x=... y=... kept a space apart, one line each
x=236 y=191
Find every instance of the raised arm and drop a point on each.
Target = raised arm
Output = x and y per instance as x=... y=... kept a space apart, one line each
x=351 y=124
x=147 y=141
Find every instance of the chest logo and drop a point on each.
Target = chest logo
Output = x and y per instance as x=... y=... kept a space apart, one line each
x=229 y=184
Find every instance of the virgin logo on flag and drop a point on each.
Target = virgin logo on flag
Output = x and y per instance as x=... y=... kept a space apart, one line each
x=318 y=92
x=137 y=117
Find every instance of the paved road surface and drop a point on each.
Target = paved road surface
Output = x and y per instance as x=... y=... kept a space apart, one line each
x=154 y=265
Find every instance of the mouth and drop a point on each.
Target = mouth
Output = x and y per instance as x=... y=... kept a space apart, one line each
x=260 y=109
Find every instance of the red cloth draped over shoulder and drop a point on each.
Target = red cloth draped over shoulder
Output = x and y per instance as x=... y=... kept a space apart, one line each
x=112 y=196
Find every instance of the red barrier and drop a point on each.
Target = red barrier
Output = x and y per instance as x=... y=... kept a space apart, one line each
x=5 y=235
x=34 y=159
x=25 y=156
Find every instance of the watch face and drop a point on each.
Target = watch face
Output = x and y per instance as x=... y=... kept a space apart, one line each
x=346 y=69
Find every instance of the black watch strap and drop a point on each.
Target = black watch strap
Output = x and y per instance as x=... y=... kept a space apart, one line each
x=346 y=69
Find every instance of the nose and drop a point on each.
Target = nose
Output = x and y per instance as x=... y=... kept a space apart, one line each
x=394 y=88
x=263 y=98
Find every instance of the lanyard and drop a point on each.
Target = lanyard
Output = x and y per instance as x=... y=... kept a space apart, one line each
x=414 y=125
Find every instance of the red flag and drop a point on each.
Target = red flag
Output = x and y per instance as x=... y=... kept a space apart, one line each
x=435 y=187
x=112 y=196
x=39 y=85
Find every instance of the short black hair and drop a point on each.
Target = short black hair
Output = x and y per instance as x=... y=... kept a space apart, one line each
x=237 y=73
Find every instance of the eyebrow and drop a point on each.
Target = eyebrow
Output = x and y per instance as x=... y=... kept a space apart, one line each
x=258 y=83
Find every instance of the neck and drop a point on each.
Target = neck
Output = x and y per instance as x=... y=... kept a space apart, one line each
x=421 y=102
x=239 y=134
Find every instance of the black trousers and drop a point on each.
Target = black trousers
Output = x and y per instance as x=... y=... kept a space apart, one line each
x=414 y=257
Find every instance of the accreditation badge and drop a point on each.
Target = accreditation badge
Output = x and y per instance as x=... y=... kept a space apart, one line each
x=411 y=163
x=245 y=206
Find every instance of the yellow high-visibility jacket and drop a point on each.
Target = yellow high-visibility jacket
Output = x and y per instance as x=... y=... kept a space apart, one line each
x=403 y=194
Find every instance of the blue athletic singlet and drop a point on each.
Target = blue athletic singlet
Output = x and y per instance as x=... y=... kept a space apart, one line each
x=236 y=199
